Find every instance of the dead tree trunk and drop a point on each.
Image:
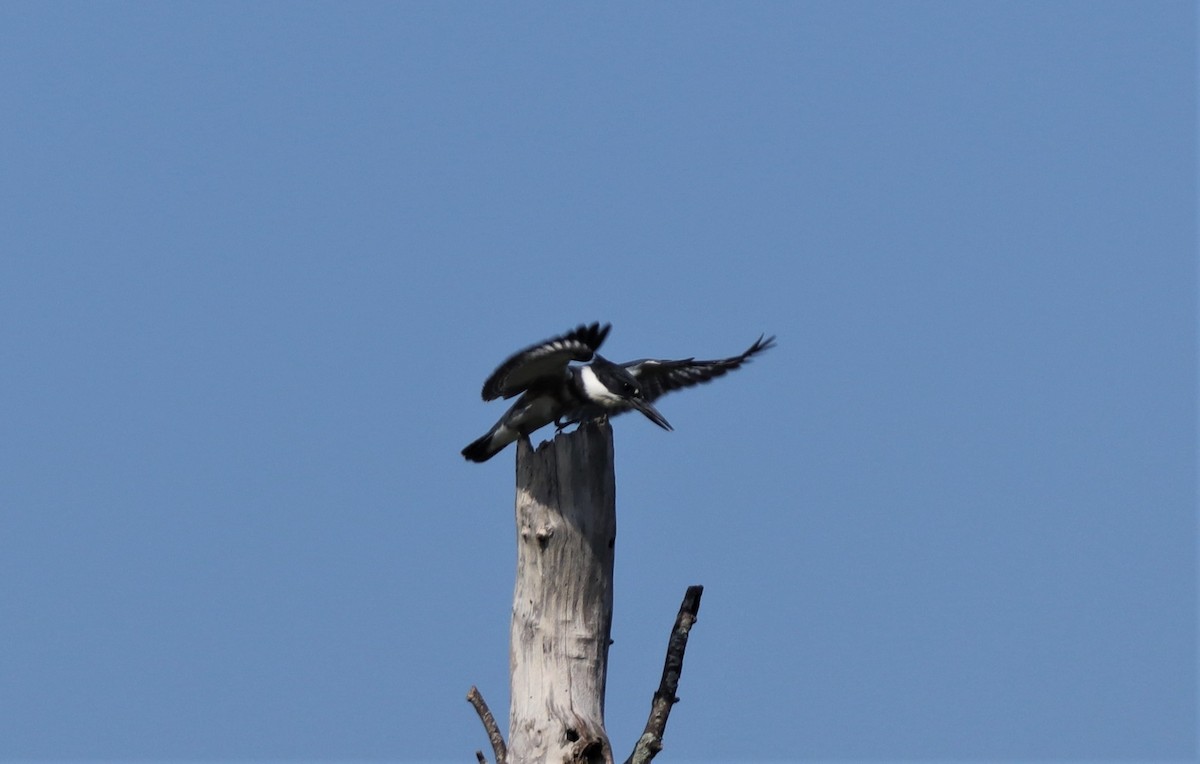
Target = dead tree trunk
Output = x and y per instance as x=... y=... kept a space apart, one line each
x=562 y=611
x=563 y=599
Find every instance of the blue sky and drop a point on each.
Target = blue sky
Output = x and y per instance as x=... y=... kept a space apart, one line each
x=259 y=258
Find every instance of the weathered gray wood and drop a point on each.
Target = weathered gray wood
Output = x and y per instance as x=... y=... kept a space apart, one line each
x=495 y=737
x=651 y=741
x=562 y=603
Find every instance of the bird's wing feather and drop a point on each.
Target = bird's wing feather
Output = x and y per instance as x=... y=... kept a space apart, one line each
x=544 y=359
x=657 y=378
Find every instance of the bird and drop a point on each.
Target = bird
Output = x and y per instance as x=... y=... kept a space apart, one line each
x=553 y=390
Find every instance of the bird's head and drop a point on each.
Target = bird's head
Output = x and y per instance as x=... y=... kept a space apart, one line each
x=611 y=385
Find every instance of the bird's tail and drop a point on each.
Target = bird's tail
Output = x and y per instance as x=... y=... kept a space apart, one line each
x=489 y=445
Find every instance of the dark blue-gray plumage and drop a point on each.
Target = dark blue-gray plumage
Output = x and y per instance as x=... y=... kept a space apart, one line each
x=552 y=390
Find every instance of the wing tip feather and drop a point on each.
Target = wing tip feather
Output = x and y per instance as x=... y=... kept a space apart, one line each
x=590 y=335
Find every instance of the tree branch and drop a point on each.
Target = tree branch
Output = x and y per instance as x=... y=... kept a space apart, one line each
x=489 y=724
x=650 y=743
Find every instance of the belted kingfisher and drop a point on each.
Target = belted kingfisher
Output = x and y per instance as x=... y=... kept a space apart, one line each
x=552 y=390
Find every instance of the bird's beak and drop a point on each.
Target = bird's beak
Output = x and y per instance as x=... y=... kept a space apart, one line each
x=651 y=413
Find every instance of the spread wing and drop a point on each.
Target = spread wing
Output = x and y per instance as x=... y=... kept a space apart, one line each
x=545 y=359
x=657 y=378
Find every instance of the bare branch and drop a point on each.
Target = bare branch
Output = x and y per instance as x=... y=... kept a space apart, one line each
x=489 y=724
x=650 y=743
